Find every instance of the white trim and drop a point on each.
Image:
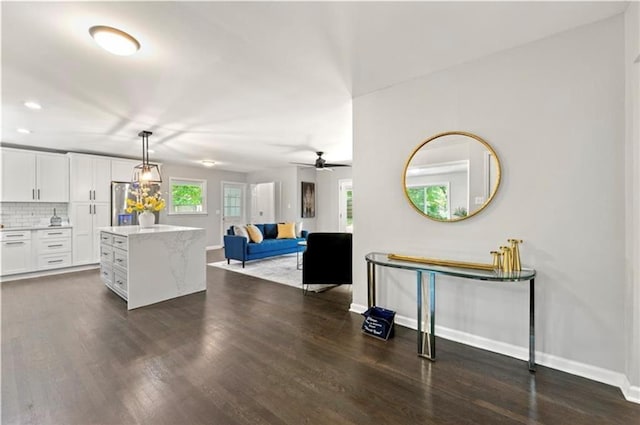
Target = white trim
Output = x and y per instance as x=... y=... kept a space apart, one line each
x=609 y=377
x=212 y=247
x=631 y=393
x=48 y=272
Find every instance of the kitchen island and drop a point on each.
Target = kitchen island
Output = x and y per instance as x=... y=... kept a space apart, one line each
x=146 y=266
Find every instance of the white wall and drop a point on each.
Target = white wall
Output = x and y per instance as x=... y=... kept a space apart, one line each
x=285 y=191
x=632 y=219
x=210 y=221
x=327 y=205
x=554 y=112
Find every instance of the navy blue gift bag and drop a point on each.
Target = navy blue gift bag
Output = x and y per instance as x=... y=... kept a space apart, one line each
x=378 y=322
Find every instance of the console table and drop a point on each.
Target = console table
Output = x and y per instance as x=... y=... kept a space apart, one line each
x=382 y=260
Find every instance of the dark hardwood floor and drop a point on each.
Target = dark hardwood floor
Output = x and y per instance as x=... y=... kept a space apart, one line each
x=253 y=352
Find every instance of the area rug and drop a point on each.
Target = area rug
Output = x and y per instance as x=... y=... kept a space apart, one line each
x=281 y=269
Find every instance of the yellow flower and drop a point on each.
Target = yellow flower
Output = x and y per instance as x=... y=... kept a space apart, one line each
x=129 y=210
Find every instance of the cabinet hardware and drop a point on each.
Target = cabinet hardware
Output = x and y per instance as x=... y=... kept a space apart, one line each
x=119 y=282
x=38 y=193
x=15 y=236
x=54 y=261
x=54 y=246
x=119 y=260
x=33 y=194
x=14 y=243
x=94 y=195
x=54 y=233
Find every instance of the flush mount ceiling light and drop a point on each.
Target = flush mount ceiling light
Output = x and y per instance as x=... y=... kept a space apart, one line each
x=32 y=105
x=114 y=41
x=146 y=172
x=208 y=163
x=23 y=131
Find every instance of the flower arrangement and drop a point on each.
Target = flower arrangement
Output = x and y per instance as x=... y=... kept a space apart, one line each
x=144 y=201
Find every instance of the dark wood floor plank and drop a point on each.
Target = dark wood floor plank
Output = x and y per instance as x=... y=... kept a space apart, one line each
x=252 y=352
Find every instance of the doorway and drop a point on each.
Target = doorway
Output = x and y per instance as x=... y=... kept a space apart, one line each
x=345 y=205
x=233 y=206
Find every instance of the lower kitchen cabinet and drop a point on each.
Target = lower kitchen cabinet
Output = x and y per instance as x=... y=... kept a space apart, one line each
x=16 y=252
x=25 y=251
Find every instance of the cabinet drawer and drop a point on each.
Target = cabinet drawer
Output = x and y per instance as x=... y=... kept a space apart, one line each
x=54 y=233
x=54 y=261
x=120 y=242
x=16 y=235
x=106 y=254
x=51 y=246
x=120 y=257
x=106 y=274
x=120 y=281
x=106 y=238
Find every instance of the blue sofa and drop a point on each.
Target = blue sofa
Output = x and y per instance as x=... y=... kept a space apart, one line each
x=238 y=248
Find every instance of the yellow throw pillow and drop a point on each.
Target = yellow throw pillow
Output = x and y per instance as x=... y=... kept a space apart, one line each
x=286 y=231
x=254 y=233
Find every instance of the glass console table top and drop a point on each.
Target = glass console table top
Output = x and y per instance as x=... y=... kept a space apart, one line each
x=382 y=259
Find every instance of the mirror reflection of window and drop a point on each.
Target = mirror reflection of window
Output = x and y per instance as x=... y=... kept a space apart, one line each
x=468 y=166
x=433 y=199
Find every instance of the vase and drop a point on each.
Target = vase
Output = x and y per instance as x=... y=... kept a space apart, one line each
x=146 y=220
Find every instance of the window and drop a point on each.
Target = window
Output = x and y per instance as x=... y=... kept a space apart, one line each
x=188 y=196
x=232 y=202
x=431 y=199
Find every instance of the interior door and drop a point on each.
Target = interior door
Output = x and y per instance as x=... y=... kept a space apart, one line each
x=233 y=205
x=345 y=217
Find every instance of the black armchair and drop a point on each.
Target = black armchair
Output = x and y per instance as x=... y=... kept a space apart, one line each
x=327 y=259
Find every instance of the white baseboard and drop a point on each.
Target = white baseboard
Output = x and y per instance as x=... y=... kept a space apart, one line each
x=209 y=248
x=617 y=379
x=48 y=272
x=631 y=392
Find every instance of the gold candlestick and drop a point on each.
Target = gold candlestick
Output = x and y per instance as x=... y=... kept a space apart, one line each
x=507 y=259
x=497 y=264
x=515 y=251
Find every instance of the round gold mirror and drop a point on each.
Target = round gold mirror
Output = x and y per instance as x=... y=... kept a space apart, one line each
x=451 y=176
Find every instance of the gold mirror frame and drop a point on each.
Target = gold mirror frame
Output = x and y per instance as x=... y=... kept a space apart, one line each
x=494 y=190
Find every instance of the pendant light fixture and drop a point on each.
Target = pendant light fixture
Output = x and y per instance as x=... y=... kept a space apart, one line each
x=146 y=172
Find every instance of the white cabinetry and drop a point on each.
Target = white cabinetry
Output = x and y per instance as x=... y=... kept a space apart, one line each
x=29 y=176
x=90 y=178
x=90 y=204
x=86 y=217
x=113 y=263
x=122 y=169
x=53 y=248
x=16 y=252
x=25 y=251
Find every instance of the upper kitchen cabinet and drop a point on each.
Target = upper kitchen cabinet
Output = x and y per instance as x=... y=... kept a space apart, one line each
x=30 y=176
x=122 y=169
x=90 y=178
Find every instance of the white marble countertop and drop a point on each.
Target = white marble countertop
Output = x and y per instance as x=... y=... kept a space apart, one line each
x=136 y=230
x=9 y=229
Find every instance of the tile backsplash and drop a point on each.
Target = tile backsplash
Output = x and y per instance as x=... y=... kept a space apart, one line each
x=23 y=214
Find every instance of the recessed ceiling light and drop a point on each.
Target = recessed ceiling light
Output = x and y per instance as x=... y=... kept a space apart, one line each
x=23 y=131
x=114 y=41
x=208 y=163
x=32 y=105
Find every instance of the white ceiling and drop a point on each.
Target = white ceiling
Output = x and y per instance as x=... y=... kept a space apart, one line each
x=248 y=85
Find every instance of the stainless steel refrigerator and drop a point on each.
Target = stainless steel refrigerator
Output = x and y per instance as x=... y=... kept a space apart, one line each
x=120 y=192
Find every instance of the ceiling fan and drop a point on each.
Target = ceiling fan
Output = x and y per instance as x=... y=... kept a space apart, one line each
x=321 y=164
